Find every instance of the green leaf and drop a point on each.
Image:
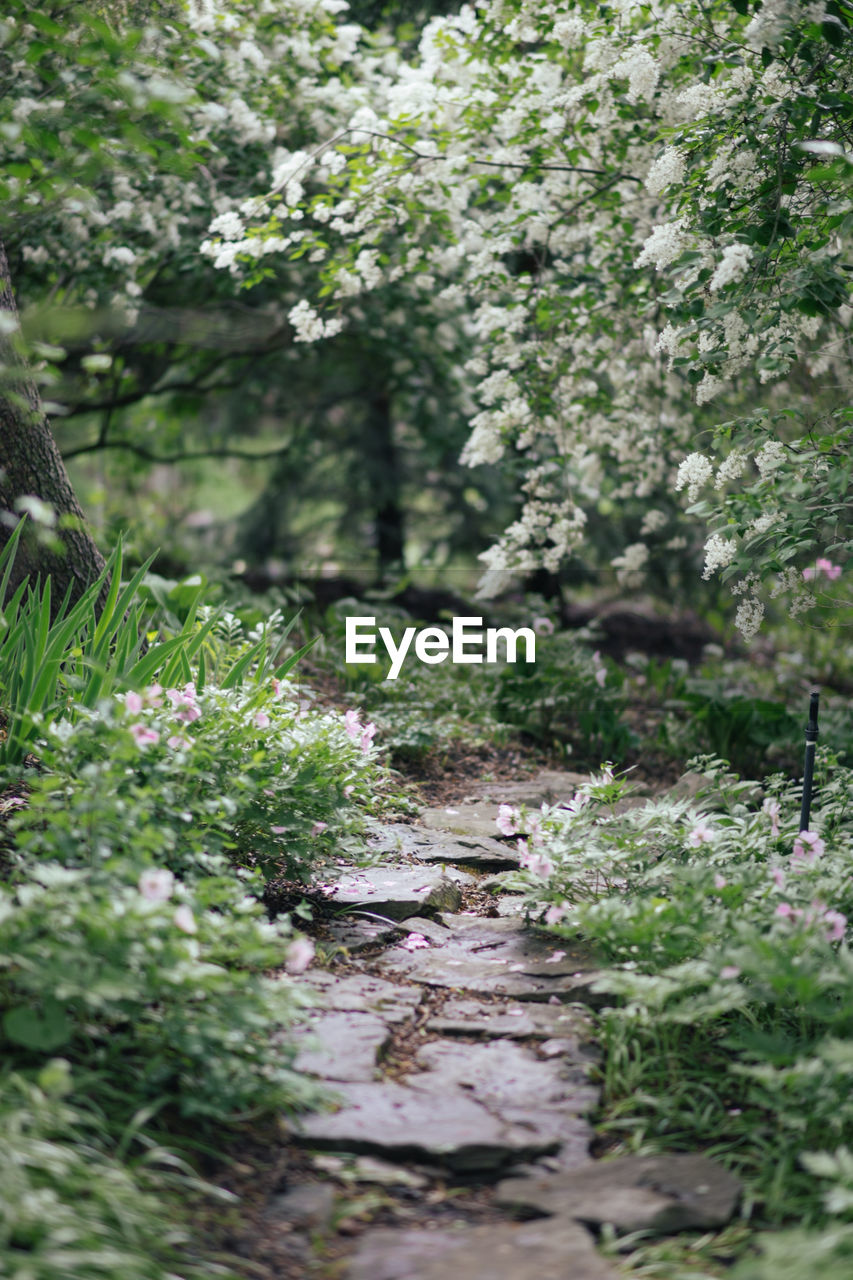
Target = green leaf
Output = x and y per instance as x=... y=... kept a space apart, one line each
x=46 y=1029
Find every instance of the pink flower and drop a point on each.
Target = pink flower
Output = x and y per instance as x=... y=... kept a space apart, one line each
x=822 y=565
x=367 y=736
x=837 y=925
x=538 y=865
x=414 y=942
x=555 y=957
x=729 y=971
x=701 y=834
x=278 y=831
x=188 y=713
x=262 y=720
x=786 y=912
x=543 y=626
x=276 y=687
x=778 y=877
x=808 y=847
x=156 y=884
x=348 y=790
x=299 y=955
x=178 y=742
x=318 y=827
x=143 y=735
x=133 y=703
x=555 y=913
x=185 y=920
x=505 y=821
x=772 y=809
x=720 y=882
x=154 y=695
x=352 y=724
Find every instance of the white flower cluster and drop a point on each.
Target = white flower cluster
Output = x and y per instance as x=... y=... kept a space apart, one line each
x=641 y=70
x=749 y=615
x=719 y=552
x=666 y=171
x=770 y=457
x=695 y=472
x=663 y=246
x=309 y=326
x=733 y=267
x=732 y=466
x=630 y=566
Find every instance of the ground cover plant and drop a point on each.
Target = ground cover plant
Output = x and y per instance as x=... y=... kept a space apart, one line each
x=138 y=1007
x=724 y=931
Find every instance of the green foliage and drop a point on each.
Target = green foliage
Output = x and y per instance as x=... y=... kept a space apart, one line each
x=720 y=923
x=569 y=696
x=68 y=1211
x=161 y=1000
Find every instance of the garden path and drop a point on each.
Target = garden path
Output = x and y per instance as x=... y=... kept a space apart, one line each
x=458 y=1043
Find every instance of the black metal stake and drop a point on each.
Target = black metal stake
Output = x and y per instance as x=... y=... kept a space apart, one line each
x=808 y=768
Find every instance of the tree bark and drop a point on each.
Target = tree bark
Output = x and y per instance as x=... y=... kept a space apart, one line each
x=31 y=466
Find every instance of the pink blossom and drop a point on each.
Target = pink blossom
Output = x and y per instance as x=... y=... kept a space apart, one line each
x=276 y=687
x=837 y=925
x=538 y=865
x=188 y=713
x=787 y=912
x=262 y=720
x=278 y=831
x=299 y=955
x=822 y=565
x=318 y=827
x=772 y=809
x=143 y=735
x=555 y=913
x=543 y=626
x=348 y=790
x=185 y=920
x=367 y=736
x=729 y=971
x=701 y=834
x=352 y=724
x=154 y=695
x=178 y=742
x=506 y=819
x=156 y=884
x=778 y=877
x=414 y=942
x=808 y=847
x=133 y=703
x=720 y=882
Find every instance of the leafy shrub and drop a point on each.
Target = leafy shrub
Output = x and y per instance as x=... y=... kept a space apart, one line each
x=569 y=695
x=159 y=991
x=726 y=936
x=180 y=778
x=68 y=1211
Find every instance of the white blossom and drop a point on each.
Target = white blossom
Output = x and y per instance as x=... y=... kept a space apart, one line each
x=719 y=552
x=695 y=472
x=733 y=266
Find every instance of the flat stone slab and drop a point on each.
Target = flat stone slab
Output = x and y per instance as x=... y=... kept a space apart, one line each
x=514 y=1021
x=499 y=957
x=364 y=993
x=395 y=891
x=341 y=1046
x=355 y=934
x=637 y=1193
x=548 y=786
x=421 y=1121
x=477 y=820
x=548 y=1249
x=438 y=845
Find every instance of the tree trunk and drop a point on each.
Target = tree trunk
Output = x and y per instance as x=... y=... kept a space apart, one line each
x=386 y=482
x=31 y=466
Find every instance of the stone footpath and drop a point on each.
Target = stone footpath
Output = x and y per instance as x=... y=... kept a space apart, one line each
x=495 y=1085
